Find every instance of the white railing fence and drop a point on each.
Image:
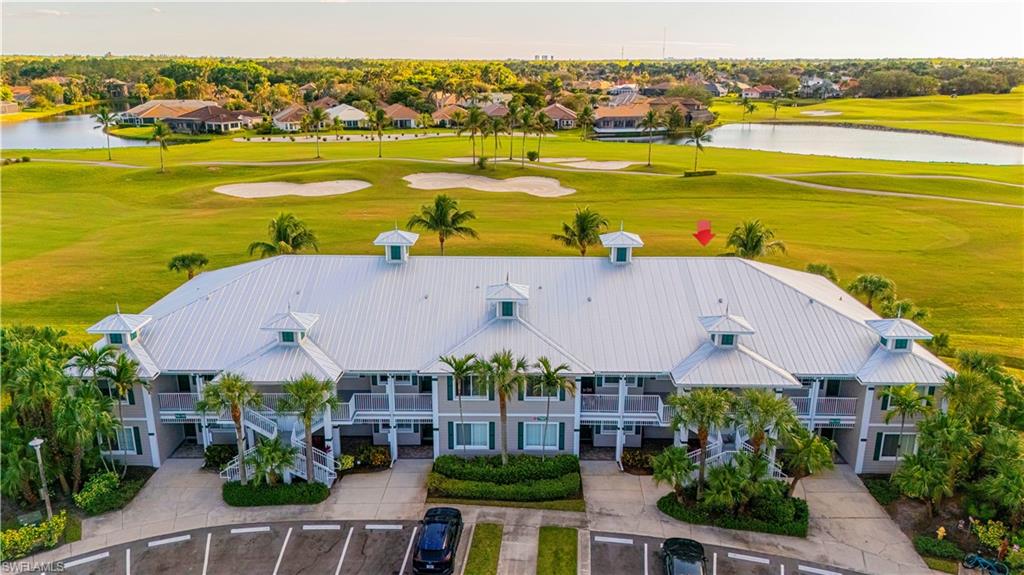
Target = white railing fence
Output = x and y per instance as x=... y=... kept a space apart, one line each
x=259 y=422
x=232 y=472
x=177 y=401
x=370 y=402
x=417 y=402
x=646 y=404
x=599 y=403
x=826 y=406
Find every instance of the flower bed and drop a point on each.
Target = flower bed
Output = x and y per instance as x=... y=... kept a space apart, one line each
x=237 y=495
x=520 y=468
x=107 y=491
x=524 y=479
x=16 y=543
x=777 y=514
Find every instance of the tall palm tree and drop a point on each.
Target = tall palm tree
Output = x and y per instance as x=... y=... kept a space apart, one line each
x=673 y=466
x=79 y=419
x=583 y=232
x=905 y=401
x=497 y=127
x=651 y=123
x=505 y=374
x=90 y=361
x=461 y=367
x=776 y=104
x=474 y=124
x=752 y=240
x=104 y=120
x=288 y=234
x=123 y=376
x=873 y=287
x=585 y=120
x=233 y=393
x=316 y=118
x=705 y=409
x=550 y=381
x=426 y=120
x=308 y=397
x=759 y=410
x=161 y=133
x=337 y=126
x=444 y=218
x=526 y=125
x=823 y=270
x=748 y=107
x=542 y=125
x=511 y=123
x=188 y=263
x=699 y=136
x=458 y=118
x=806 y=453
x=974 y=397
x=378 y=120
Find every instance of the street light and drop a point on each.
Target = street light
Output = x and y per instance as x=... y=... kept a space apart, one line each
x=37 y=444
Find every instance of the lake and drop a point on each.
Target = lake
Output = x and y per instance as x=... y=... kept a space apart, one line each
x=73 y=130
x=861 y=143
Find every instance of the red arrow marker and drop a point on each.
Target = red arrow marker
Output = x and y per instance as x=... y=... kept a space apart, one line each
x=704 y=235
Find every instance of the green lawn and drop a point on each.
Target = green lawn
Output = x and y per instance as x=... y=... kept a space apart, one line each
x=557 y=550
x=557 y=505
x=486 y=547
x=952 y=188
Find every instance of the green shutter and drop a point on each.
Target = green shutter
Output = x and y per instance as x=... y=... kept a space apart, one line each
x=885 y=400
x=490 y=435
x=490 y=392
x=561 y=394
x=521 y=430
x=878 y=446
x=931 y=390
x=396 y=253
x=131 y=396
x=522 y=390
x=451 y=435
x=561 y=436
x=373 y=380
x=451 y=388
x=138 y=441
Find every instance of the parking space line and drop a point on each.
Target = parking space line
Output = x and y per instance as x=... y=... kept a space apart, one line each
x=469 y=548
x=714 y=563
x=128 y=561
x=206 y=555
x=645 y=559
x=620 y=540
x=321 y=527
x=750 y=558
x=160 y=542
x=376 y=527
x=88 y=559
x=280 y=555
x=407 y=551
x=344 y=550
x=251 y=529
x=816 y=571
x=782 y=569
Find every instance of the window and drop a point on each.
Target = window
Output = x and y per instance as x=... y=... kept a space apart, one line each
x=621 y=254
x=728 y=340
x=885 y=342
x=124 y=440
x=534 y=432
x=889 y=446
x=109 y=390
x=612 y=380
x=401 y=378
x=115 y=338
x=901 y=344
x=611 y=428
x=471 y=435
x=288 y=336
x=395 y=253
x=401 y=426
x=472 y=387
x=507 y=309
x=533 y=390
x=133 y=335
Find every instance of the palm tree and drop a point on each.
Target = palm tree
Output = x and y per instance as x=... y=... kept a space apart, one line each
x=673 y=466
x=189 y=263
x=445 y=219
x=806 y=453
x=752 y=240
x=760 y=410
x=426 y=120
x=526 y=124
x=123 y=375
x=706 y=409
x=675 y=121
x=974 y=397
x=462 y=368
x=78 y=420
x=872 y=286
x=584 y=231
x=378 y=120
x=161 y=133
x=585 y=119
x=952 y=435
x=748 y=107
x=504 y=374
x=288 y=234
x=924 y=476
x=542 y=125
x=511 y=122
x=104 y=119
x=458 y=118
x=497 y=127
x=270 y=460
x=474 y=124
x=315 y=119
x=550 y=381
x=337 y=126
x=651 y=123
x=309 y=397
x=776 y=104
x=728 y=486
x=1005 y=484
x=823 y=270
x=90 y=361
x=905 y=401
x=232 y=392
x=699 y=136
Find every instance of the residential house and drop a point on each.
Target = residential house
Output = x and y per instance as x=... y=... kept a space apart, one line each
x=443 y=117
x=9 y=107
x=323 y=103
x=626 y=98
x=815 y=87
x=694 y=111
x=495 y=110
x=116 y=89
x=377 y=326
x=762 y=92
x=620 y=120
x=481 y=100
x=622 y=89
x=22 y=95
x=350 y=116
x=159 y=110
x=290 y=118
x=715 y=89
x=563 y=117
x=659 y=89
x=307 y=88
x=591 y=86
x=402 y=116
x=213 y=120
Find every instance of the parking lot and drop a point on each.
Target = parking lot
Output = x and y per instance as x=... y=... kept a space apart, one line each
x=618 y=554
x=329 y=547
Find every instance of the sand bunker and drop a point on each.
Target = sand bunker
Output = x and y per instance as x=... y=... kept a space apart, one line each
x=272 y=189
x=595 y=165
x=535 y=186
x=819 y=113
x=332 y=138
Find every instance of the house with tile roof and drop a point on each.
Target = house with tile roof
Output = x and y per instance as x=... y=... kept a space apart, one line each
x=402 y=116
x=160 y=110
x=213 y=120
x=445 y=116
x=563 y=117
x=623 y=120
x=290 y=118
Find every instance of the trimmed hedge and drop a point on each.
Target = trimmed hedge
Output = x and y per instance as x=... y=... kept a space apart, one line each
x=17 y=543
x=520 y=468
x=218 y=455
x=237 y=495
x=701 y=515
x=106 y=492
x=698 y=173
x=882 y=490
x=941 y=548
x=564 y=487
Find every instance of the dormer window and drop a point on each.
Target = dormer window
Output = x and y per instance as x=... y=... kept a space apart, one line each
x=725 y=329
x=396 y=244
x=898 y=334
x=291 y=327
x=395 y=253
x=901 y=343
x=115 y=338
x=507 y=298
x=621 y=255
x=620 y=245
x=727 y=340
x=120 y=328
x=507 y=309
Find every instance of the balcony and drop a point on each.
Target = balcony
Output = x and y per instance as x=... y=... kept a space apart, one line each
x=827 y=407
x=372 y=407
x=635 y=408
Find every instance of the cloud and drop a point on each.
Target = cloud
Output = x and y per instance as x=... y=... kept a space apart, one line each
x=156 y=10
x=48 y=12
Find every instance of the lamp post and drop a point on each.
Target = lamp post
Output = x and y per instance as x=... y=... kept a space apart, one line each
x=37 y=444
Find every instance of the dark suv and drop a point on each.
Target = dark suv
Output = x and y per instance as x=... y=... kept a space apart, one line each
x=440 y=532
x=683 y=557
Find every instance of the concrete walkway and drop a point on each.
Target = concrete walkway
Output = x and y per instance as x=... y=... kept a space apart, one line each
x=847 y=528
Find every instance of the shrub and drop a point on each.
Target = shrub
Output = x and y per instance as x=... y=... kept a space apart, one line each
x=882 y=490
x=217 y=456
x=375 y=456
x=532 y=155
x=698 y=173
x=565 y=487
x=702 y=515
x=638 y=460
x=991 y=533
x=16 y=543
x=346 y=462
x=26 y=159
x=773 y=509
x=941 y=548
x=238 y=495
x=520 y=468
x=105 y=492
x=481 y=162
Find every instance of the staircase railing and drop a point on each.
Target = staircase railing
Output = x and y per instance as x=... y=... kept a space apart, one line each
x=259 y=422
x=231 y=471
x=323 y=463
x=774 y=469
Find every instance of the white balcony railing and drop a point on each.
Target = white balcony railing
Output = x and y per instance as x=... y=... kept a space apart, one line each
x=599 y=403
x=827 y=406
x=417 y=402
x=177 y=401
x=643 y=404
x=375 y=402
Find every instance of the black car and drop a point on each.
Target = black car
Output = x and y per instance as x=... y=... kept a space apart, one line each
x=440 y=532
x=683 y=557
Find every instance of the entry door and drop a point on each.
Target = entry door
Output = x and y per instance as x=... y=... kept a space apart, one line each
x=831 y=387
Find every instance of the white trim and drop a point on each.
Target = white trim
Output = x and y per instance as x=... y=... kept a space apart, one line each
x=455 y=439
x=899 y=447
x=154 y=445
x=862 y=435
x=541 y=424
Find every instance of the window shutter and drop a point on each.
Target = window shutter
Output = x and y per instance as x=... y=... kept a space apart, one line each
x=878 y=446
x=521 y=430
x=522 y=391
x=561 y=394
x=131 y=396
x=373 y=380
x=451 y=435
x=885 y=401
x=490 y=392
x=561 y=436
x=931 y=390
x=138 y=440
x=490 y=435
x=451 y=388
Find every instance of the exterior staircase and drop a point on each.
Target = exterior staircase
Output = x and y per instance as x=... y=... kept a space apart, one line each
x=323 y=463
x=718 y=455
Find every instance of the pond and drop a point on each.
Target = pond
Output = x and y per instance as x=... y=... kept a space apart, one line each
x=862 y=143
x=72 y=130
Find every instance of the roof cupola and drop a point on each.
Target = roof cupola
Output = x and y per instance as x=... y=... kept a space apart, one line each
x=120 y=328
x=290 y=326
x=620 y=245
x=507 y=298
x=898 y=334
x=396 y=244
x=725 y=330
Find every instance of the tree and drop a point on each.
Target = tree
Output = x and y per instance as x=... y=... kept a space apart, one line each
x=79 y=419
x=583 y=232
x=776 y=104
x=288 y=234
x=426 y=121
x=548 y=382
x=316 y=118
x=444 y=218
x=233 y=393
x=925 y=476
x=729 y=486
x=872 y=286
x=651 y=123
x=504 y=374
x=823 y=270
x=474 y=124
x=905 y=401
x=585 y=119
x=189 y=263
x=952 y=436
x=269 y=460
x=123 y=375
x=749 y=108
x=526 y=124
x=699 y=136
x=104 y=120
x=496 y=127
x=337 y=126
x=905 y=308
x=752 y=240
x=308 y=397
x=762 y=412
x=705 y=409
x=161 y=133
x=378 y=120
x=673 y=466
x=974 y=397
x=542 y=125
x=511 y=122
x=806 y=453
x=461 y=368
x=675 y=121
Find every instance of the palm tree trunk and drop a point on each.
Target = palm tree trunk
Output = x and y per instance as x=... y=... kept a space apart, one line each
x=380 y=145
x=76 y=468
x=700 y=471
x=316 y=136
x=472 y=139
x=109 y=157
x=650 y=146
x=792 y=485
x=27 y=493
x=120 y=421
x=544 y=439
x=236 y=414
x=540 y=136
x=440 y=238
x=522 y=151
x=161 y=157
x=309 y=449
x=695 y=150
x=503 y=417
x=511 y=140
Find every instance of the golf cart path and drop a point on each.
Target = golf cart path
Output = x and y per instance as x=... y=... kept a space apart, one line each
x=91 y=163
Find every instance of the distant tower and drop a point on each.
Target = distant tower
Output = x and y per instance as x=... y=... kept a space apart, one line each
x=664 y=40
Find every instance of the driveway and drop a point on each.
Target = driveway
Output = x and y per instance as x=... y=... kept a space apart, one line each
x=848 y=528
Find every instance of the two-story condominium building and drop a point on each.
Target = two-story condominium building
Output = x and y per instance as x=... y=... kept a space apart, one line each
x=632 y=331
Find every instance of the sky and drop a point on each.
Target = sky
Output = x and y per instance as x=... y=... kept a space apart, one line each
x=522 y=30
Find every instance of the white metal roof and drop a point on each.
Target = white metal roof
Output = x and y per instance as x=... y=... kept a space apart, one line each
x=641 y=318
x=346 y=112
x=277 y=362
x=148 y=368
x=726 y=324
x=730 y=367
x=898 y=327
x=396 y=237
x=291 y=321
x=621 y=239
x=887 y=367
x=508 y=291
x=119 y=323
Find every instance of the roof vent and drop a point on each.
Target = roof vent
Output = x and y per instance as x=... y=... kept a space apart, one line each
x=396 y=244
x=620 y=245
x=898 y=334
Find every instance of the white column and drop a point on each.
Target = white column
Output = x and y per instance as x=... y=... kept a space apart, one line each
x=862 y=433
x=577 y=406
x=203 y=423
x=392 y=422
x=154 y=446
x=328 y=426
x=812 y=404
x=336 y=440
x=620 y=434
x=435 y=421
